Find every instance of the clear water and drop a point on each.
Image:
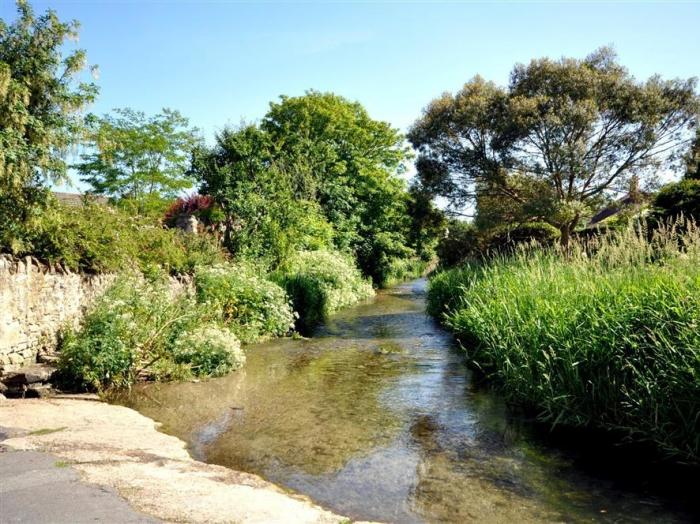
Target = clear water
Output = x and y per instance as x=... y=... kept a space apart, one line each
x=377 y=417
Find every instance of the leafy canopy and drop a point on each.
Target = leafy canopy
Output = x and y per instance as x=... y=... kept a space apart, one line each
x=317 y=171
x=41 y=98
x=563 y=136
x=137 y=157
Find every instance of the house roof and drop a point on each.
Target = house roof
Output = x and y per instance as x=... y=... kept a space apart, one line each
x=617 y=206
x=77 y=199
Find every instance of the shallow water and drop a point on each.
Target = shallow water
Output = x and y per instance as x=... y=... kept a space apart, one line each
x=377 y=417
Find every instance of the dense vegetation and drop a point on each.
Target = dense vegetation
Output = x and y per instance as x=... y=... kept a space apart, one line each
x=98 y=238
x=251 y=306
x=150 y=326
x=604 y=334
x=139 y=329
x=42 y=95
x=562 y=140
x=306 y=211
x=312 y=195
x=320 y=283
x=317 y=173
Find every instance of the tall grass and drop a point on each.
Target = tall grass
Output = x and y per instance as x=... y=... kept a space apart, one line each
x=606 y=334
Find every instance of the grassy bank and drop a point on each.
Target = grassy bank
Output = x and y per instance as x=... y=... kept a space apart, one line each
x=606 y=336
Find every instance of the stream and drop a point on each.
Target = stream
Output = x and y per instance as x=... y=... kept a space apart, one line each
x=377 y=417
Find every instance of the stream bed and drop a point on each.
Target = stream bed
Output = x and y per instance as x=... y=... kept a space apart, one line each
x=377 y=417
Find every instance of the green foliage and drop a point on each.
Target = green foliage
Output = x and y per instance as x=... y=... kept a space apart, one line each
x=41 y=98
x=208 y=350
x=317 y=173
x=465 y=241
x=603 y=335
x=378 y=254
x=692 y=159
x=251 y=306
x=99 y=238
x=321 y=283
x=427 y=223
x=139 y=158
x=507 y=239
x=137 y=328
x=556 y=141
x=262 y=214
x=676 y=199
x=462 y=241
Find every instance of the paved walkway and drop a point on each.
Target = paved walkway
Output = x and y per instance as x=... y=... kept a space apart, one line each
x=116 y=450
x=38 y=488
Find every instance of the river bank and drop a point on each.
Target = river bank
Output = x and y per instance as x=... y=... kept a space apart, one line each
x=117 y=448
x=378 y=417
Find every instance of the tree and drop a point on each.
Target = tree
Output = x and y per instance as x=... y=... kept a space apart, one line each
x=692 y=159
x=340 y=157
x=138 y=158
x=41 y=98
x=562 y=137
x=264 y=218
x=427 y=223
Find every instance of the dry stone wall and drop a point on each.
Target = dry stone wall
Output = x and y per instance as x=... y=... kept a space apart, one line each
x=36 y=301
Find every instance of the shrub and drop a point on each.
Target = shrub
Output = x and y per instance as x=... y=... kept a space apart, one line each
x=679 y=198
x=463 y=241
x=250 y=305
x=605 y=337
x=506 y=240
x=402 y=269
x=320 y=283
x=100 y=238
x=201 y=206
x=209 y=350
x=138 y=329
x=380 y=254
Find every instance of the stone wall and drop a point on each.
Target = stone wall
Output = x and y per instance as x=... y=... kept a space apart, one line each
x=36 y=301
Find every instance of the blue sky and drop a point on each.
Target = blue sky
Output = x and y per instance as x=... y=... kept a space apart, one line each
x=221 y=62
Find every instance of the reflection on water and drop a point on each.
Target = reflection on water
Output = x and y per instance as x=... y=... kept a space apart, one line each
x=376 y=417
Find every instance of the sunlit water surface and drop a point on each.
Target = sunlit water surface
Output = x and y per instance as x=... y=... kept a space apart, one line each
x=377 y=417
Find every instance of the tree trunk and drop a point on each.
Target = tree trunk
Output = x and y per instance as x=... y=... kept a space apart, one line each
x=565 y=237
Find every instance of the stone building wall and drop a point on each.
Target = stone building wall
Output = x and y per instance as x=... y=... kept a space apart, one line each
x=36 y=301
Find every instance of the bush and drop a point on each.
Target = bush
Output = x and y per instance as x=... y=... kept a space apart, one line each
x=680 y=198
x=462 y=242
x=138 y=329
x=201 y=206
x=379 y=255
x=99 y=238
x=251 y=306
x=605 y=337
x=320 y=283
x=402 y=269
x=208 y=350
x=507 y=240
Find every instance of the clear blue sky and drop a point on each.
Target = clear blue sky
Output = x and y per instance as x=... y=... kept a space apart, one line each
x=220 y=62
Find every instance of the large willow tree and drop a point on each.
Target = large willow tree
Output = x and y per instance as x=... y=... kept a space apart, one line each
x=41 y=97
x=560 y=138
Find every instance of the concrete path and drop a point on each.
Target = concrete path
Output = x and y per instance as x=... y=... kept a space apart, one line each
x=39 y=488
x=116 y=450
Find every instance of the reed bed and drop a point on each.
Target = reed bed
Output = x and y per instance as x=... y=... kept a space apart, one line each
x=604 y=334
